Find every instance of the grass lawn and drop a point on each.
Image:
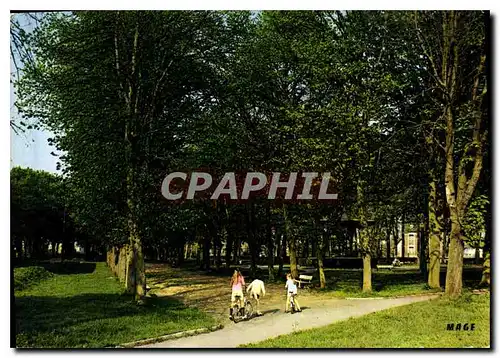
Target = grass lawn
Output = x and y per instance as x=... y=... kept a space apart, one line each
x=422 y=324
x=343 y=283
x=82 y=306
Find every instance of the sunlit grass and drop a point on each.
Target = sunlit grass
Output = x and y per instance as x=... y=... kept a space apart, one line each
x=418 y=325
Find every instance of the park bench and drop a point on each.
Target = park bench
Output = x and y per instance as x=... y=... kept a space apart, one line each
x=304 y=279
x=388 y=267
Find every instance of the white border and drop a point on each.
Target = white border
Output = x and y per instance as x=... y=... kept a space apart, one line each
x=199 y=5
x=253 y=5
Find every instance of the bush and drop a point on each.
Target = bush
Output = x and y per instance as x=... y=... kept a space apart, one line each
x=28 y=276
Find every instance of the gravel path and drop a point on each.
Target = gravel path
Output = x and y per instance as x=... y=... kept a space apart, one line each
x=275 y=322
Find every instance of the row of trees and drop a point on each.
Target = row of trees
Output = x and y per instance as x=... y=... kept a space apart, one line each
x=42 y=224
x=393 y=104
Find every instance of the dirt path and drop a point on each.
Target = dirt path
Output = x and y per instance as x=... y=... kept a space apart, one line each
x=274 y=322
x=211 y=293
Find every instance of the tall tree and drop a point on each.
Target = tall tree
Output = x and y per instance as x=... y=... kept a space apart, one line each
x=456 y=61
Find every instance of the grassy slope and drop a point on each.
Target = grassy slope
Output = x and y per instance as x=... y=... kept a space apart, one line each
x=87 y=309
x=417 y=325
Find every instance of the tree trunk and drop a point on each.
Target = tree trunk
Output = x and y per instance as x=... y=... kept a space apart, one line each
x=237 y=247
x=136 y=276
x=281 y=254
x=422 y=258
x=270 y=244
x=321 y=271
x=396 y=238
x=181 y=254
x=367 y=273
x=455 y=260
x=485 y=279
x=435 y=229
x=477 y=258
x=217 y=249
x=206 y=252
x=403 y=236
x=293 y=258
x=388 y=244
x=319 y=257
x=198 y=257
x=129 y=278
x=445 y=240
x=292 y=245
x=229 y=248
x=140 y=273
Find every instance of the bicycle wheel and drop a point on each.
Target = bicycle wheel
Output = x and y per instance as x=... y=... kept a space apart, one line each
x=236 y=312
x=248 y=309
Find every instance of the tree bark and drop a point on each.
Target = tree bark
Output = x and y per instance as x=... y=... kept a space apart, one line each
x=217 y=249
x=320 y=249
x=206 y=252
x=477 y=258
x=451 y=94
x=237 y=247
x=293 y=258
x=485 y=279
x=252 y=242
x=292 y=245
x=367 y=273
x=229 y=248
x=129 y=279
x=388 y=244
x=281 y=253
x=403 y=236
x=270 y=244
x=434 y=238
x=396 y=237
x=455 y=261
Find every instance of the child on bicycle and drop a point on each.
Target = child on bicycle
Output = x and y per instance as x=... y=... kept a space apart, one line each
x=291 y=289
x=237 y=284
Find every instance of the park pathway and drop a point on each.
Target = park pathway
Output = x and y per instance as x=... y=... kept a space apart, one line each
x=275 y=322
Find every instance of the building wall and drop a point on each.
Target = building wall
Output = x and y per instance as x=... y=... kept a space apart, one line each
x=411 y=245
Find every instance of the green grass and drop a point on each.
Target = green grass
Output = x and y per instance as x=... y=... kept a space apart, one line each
x=25 y=277
x=87 y=309
x=422 y=324
x=343 y=283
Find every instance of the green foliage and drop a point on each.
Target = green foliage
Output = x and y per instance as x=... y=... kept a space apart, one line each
x=38 y=214
x=25 y=277
x=474 y=224
x=134 y=95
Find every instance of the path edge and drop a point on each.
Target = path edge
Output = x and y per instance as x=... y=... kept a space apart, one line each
x=434 y=294
x=167 y=337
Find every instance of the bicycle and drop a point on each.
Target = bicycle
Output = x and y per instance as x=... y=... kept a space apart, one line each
x=242 y=313
x=293 y=308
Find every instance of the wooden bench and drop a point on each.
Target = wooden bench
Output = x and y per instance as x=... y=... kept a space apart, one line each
x=389 y=267
x=304 y=279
